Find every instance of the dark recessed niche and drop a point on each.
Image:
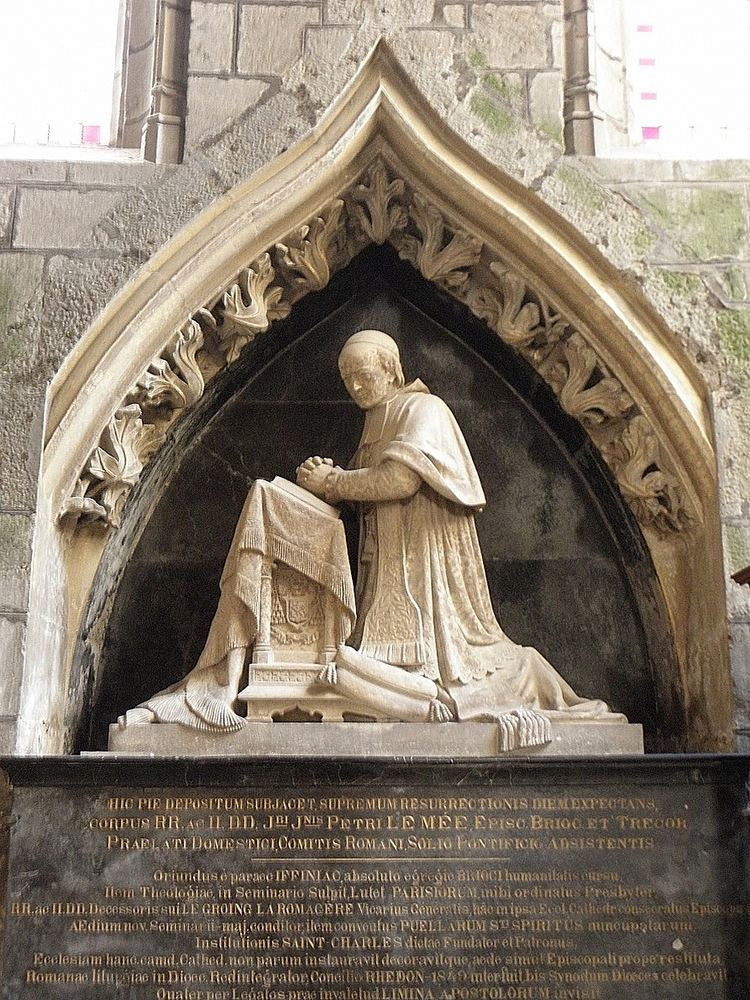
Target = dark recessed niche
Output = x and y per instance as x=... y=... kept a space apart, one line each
x=567 y=567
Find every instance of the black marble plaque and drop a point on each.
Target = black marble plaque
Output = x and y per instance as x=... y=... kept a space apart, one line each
x=313 y=881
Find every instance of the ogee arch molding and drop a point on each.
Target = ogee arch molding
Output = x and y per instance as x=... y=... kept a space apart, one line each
x=381 y=166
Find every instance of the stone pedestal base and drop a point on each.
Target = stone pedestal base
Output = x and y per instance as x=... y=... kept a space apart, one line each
x=371 y=739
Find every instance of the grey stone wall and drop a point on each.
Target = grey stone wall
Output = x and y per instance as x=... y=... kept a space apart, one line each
x=260 y=76
x=240 y=52
x=698 y=254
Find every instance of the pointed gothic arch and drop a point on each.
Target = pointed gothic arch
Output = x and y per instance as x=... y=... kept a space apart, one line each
x=381 y=166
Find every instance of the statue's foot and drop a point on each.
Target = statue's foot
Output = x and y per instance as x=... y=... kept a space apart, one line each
x=137 y=717
x=439 y=712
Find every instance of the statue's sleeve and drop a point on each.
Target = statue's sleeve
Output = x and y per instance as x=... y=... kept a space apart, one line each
x=386 y=481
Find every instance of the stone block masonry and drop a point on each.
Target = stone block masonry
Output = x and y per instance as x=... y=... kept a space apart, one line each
x=272 y=38
x=261 y=40
x=212 y=37
x=45 y=207
x=513 y=37
x=7 y=195
x=73 y=212
x=213 y=102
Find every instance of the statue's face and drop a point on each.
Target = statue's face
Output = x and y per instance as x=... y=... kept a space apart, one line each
x=365 y=379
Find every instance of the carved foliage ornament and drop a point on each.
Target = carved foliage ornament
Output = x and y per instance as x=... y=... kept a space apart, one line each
x=441 y=254
x=380 y=208
x=378 y=204
x=115 y=465
x=250 y=306
x=174 y=379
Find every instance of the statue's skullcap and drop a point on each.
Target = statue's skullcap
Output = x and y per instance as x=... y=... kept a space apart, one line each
x=373 y=338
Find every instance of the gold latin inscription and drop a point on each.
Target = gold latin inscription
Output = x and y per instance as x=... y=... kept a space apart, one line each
x=393 y=897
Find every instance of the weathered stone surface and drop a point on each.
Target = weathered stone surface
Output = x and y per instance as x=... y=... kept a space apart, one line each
x=511 y=36
x=619 y=171
x=352 y=739
x=737 y=545
x=137 y=100
x=712 y=170
x=704 y=223
x=327 y=44
x=214 y=102
x=734 y=283
x=732 y=422
x=20 y=285
x=21 y=414
x=32 y=170
x=59 y=218
x=12 y=636
x=739 y=636
x=142 y=23
x=545 y=98
x=6 y=214
x=356 y=11
x=78 y=288
x=271 y=37
x=611 y=92
x=578 y=196
x=426 y=50
x=15 y=560
x=556 y=33
x=211 y=37
x=455 y=15
x=131 y=172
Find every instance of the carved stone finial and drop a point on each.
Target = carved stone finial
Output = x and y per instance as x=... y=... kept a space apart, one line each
x=376 y=204
x=582 y=387
x=518 y=321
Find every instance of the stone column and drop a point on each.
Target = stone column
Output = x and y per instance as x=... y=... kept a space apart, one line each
x=582 y=120
x=134 y=79
x=164 y=133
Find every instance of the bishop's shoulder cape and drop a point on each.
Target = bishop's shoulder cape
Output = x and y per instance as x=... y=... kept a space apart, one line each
x=420 y=431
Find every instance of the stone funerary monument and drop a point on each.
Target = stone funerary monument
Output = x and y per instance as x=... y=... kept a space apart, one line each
x=377 y=588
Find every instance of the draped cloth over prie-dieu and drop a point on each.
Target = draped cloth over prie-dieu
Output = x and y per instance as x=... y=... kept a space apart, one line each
x=274 y=525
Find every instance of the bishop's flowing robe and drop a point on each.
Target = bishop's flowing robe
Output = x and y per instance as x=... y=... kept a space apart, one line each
x=422 y=598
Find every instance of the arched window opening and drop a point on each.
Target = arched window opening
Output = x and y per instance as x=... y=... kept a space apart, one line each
x=58 y=70
x=687 y=78
x=90 y=74
x=657 y=78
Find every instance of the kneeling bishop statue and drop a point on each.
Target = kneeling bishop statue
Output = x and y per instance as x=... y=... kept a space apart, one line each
x=425 y=644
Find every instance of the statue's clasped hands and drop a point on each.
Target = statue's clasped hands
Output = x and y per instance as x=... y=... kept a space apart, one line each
x=313 y=472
